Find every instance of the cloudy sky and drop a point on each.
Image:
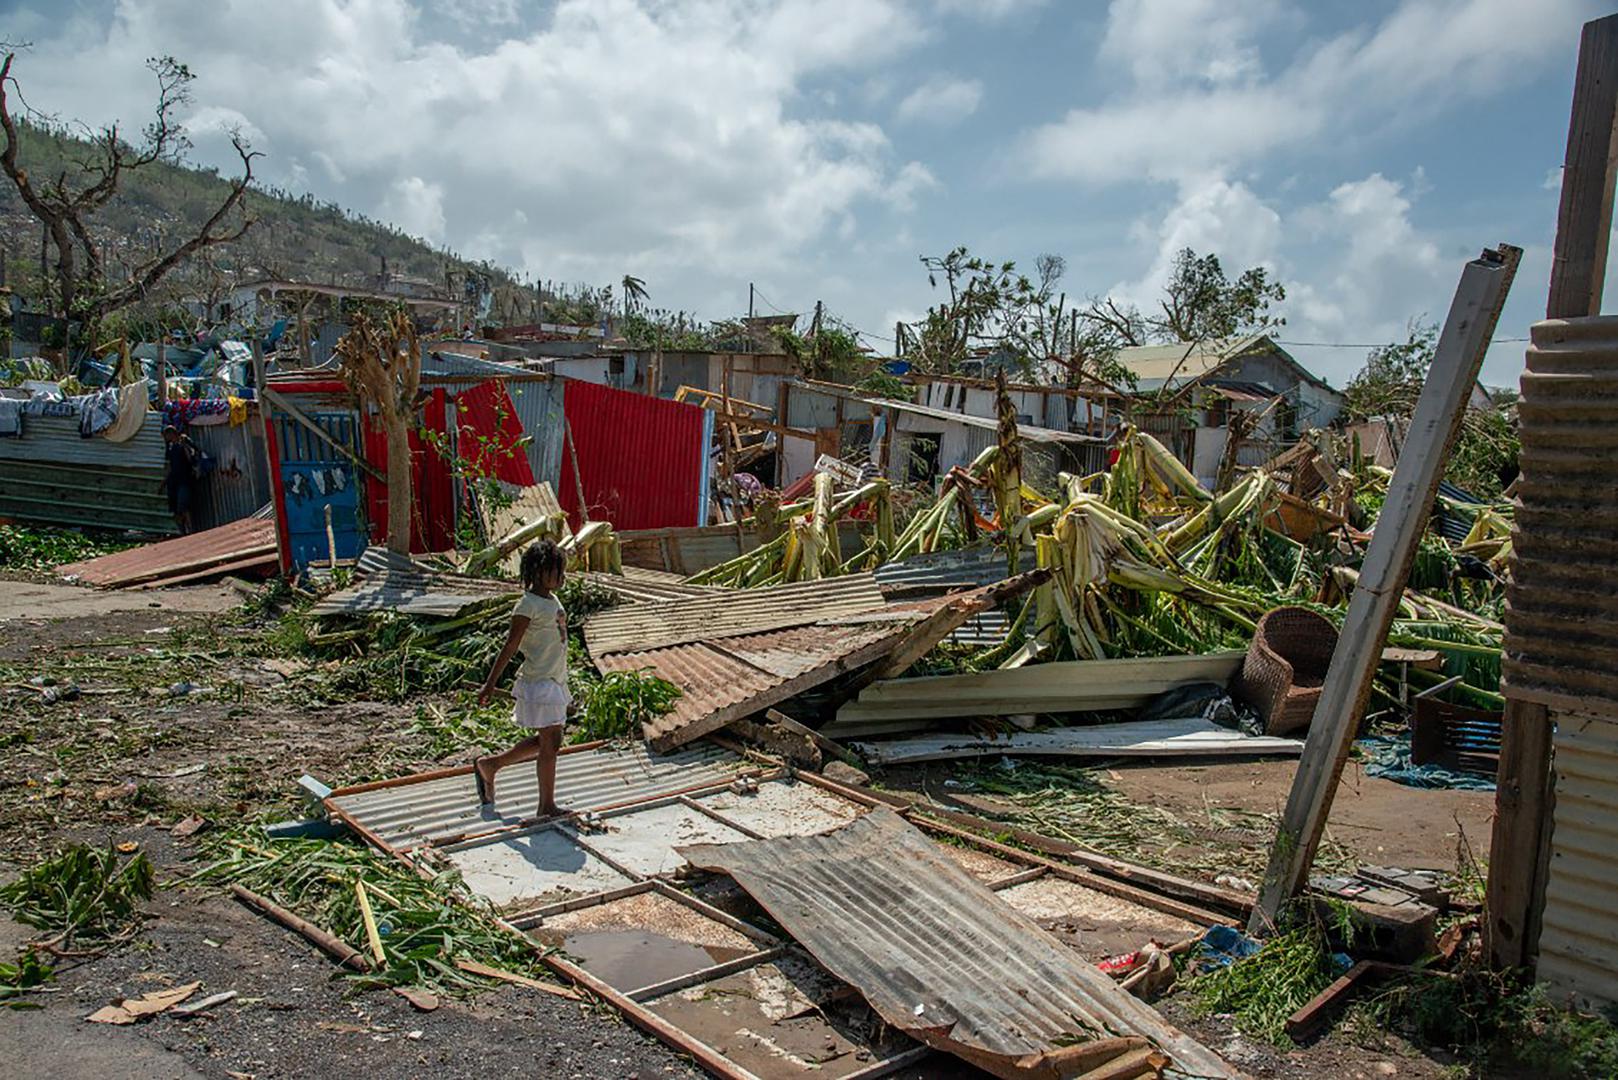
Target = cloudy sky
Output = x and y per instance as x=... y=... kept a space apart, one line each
x=816 y=147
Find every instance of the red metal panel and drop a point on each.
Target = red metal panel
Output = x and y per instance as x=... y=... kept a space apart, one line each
x=640 y=458
x=489 y=433
x=229 y=544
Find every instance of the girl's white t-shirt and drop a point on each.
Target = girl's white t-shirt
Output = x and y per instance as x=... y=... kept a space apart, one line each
x=544 y=643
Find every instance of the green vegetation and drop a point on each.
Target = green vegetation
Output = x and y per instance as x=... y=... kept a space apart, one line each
x=1073 y=803
x=43 y=548
x=1262 y=990
x=84 y=897
x=424 y=925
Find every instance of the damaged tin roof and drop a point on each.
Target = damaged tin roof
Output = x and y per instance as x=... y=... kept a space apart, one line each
x=944 y=959
x=441 y=807
x=248 y=542
x=730 y=613
x=733 y=677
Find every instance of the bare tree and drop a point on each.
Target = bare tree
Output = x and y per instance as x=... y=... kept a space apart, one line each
x=65 y=204
x=381 y=363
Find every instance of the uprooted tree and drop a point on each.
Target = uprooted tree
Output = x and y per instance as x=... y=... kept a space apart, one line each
x=79 y=286
x=380 y=360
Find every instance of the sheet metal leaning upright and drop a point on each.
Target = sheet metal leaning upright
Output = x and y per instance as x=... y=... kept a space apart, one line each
x=942 y=958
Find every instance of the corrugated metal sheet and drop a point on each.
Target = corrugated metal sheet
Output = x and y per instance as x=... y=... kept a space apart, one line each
x=1578 y=946
x=642 y=460
x=741 y=611
x=636 y=585
x=396 y=583
x=435 y=808
x=53 y=476
x=695 y=549
x=227 y=546
x=936 y=953
x=725 y=680
x=240 y=484
x=539 y=406
x=458 y=364
x=940 y=572
x=1560 y=627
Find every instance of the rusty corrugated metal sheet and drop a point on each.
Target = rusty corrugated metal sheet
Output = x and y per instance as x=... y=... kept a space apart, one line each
x=937 y=954
x=230 y=548
x=741 y=611
x=434 y=807
x=639 y=586
x=725 y=680
x=1561 y=630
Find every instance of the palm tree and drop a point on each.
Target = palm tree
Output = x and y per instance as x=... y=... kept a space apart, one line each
x=634 y=293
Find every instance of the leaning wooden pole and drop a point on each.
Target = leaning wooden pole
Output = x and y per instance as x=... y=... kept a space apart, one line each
x=1524 y=787
x=1459 y=356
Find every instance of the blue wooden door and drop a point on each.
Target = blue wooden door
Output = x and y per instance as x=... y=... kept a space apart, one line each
x=314 y=476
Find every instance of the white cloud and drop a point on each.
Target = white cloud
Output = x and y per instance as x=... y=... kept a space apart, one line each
x=1200 y=96
x=417 y=207
x=1212 y=215
x=988 y=9
x=661 y=138
x=941 y=100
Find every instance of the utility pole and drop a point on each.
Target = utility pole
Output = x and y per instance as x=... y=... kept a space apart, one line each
x=814 y=330
x=749 y=299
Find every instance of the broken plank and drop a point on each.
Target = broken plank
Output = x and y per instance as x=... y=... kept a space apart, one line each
x=330 y=944
x=1146 y=738
x=1066 y=686
x=829 y=746
x=472 y=967
x=1482 y=291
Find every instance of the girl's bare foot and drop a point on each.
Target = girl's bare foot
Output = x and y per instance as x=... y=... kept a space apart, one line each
x=485 y=781
x=552 y=810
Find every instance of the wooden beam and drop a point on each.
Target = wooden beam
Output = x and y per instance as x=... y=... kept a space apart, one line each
x=1459 y=356
x=1524 y=790
x=1584 y=221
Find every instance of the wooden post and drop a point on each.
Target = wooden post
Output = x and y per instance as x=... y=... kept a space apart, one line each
x=1524 y=788
x=1472 y=317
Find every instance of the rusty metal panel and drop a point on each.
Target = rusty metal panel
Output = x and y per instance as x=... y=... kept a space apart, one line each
x=743 y=611
x=1578 y=946
x=439 y=807
x=1561 y=605
x=937 y=954
x=228 y=545
x=725 y=680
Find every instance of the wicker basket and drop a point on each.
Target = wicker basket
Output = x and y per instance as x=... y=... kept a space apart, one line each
x=1285 y=667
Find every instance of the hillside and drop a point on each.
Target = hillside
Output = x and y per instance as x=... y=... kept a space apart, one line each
x=295 y=237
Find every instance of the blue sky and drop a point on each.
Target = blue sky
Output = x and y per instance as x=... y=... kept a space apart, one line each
x=1363 y=152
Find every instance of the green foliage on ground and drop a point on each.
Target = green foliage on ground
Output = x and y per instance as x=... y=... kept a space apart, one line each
x=1262 y=990
x=43 y=548
x=424 y=924
x=84 y=897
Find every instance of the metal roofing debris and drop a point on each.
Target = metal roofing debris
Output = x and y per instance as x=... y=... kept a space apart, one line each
x=435 y=808
x=1142 y=738
x=939 y=572
x=1067 y=686
x=398 y=583
x=241 y=545
x=942 y=958
x=725 y=680
x=646 y=586
x=728 y=614
x=528 y=504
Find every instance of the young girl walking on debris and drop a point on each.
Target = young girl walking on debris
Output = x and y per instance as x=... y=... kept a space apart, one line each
x=539 y=631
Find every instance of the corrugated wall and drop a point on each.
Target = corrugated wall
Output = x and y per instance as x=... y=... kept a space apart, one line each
x=52 y=476
x=539 y=406
x=1561 y=636
x=240 y=484
x=642 y=460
